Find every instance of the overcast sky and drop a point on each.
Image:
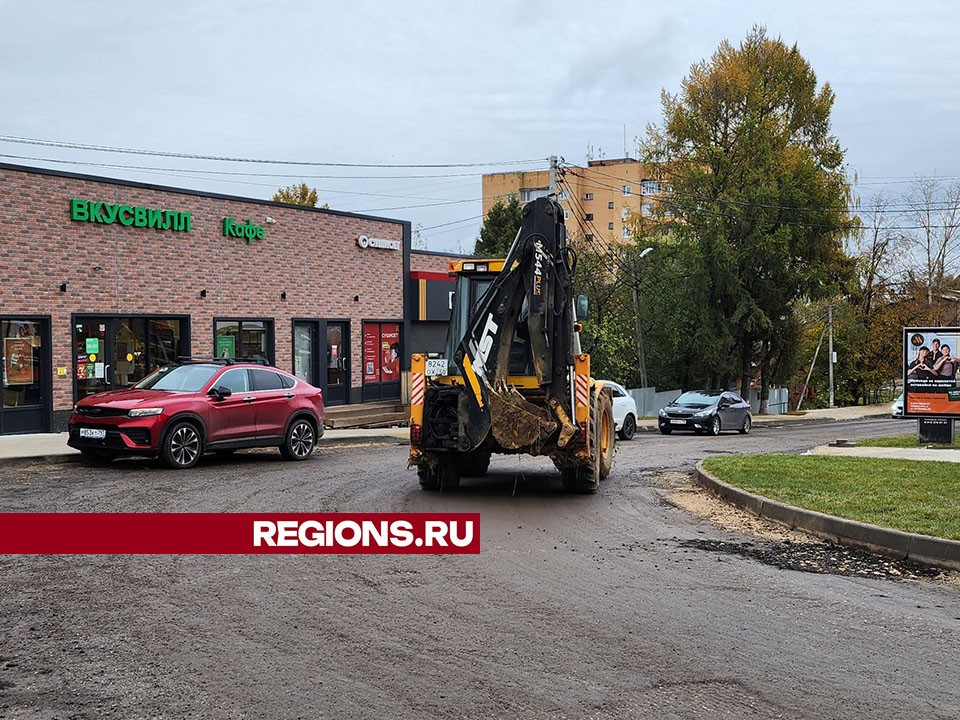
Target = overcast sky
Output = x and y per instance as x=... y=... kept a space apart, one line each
x=439 y=83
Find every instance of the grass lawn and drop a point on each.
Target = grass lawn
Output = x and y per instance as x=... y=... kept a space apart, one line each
x=912 y=495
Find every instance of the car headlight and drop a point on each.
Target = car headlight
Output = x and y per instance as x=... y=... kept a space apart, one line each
x=662 y=413
x=144 y=412
x=703 y=414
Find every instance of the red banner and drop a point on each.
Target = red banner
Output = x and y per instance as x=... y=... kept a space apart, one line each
x=390 y=352
x=239 y=533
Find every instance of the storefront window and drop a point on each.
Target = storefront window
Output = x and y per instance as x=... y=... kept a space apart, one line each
x=381 y=352
x=21 y=351
x=118 y=352
x=304 y=342
x=249 y=339
x=164 y=342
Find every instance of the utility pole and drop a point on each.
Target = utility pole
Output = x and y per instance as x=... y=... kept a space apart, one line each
x=641 y=358
x=830 y=349
x=806 y=384
x=553 y=176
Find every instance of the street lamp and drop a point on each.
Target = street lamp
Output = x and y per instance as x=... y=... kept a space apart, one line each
x=641 y=359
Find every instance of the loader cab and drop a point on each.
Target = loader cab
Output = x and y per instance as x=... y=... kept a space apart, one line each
x=474 y=277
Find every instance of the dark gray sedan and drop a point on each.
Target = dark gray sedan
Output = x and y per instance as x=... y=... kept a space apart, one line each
x=706 y=411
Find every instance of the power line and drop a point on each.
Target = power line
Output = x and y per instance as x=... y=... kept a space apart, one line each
x=668 y=199
x=229 y=173
x=893 y=209
x=220 y=158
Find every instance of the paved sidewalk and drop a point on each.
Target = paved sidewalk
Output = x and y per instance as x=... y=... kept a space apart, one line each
x=942 y=455
x=53 y=446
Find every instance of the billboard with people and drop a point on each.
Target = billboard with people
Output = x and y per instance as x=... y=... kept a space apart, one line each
x=930 y=369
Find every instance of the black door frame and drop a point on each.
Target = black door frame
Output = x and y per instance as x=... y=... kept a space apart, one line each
x=109 y=320
x=33 y=418
x=339 y=395
x=344 y=365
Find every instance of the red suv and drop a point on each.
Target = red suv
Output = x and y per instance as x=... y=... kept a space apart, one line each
x=182 y=411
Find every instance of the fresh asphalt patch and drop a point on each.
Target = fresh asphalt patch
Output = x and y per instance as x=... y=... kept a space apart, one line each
x=818 y=558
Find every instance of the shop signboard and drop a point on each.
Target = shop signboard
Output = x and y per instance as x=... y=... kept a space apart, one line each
x=245 y=231
x=930 y=368
x=95 y=211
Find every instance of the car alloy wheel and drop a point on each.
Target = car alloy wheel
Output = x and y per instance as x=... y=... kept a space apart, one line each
x=747 y=424
x=182 y=446
x=715 y=425
x=629 y=428
x=300 y=441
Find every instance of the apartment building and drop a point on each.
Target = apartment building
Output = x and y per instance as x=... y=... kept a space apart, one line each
x=598 y=200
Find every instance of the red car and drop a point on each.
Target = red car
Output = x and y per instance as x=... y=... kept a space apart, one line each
x=181 y=411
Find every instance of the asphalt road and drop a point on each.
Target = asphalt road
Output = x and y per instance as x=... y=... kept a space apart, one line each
x=617 y=605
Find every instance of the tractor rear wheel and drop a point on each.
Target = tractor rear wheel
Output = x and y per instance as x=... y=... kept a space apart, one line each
x=586 y=478
x=442 y=475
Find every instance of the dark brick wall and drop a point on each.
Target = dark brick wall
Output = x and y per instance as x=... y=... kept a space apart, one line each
x=311 y=255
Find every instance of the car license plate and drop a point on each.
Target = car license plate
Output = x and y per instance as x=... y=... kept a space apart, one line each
x=93 y=433
x=436 y=367
x=678 y=422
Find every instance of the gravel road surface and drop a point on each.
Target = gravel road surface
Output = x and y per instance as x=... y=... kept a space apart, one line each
x=647 y=600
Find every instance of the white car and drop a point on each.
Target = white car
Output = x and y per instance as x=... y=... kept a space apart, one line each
x=624 y=411
x=896 y=408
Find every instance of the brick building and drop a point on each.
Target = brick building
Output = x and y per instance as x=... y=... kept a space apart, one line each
x=599 y=201
x=104 y=280
x=430 y=287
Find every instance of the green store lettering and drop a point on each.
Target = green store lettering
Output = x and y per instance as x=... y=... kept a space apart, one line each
x=247 y=231
x=129 y=215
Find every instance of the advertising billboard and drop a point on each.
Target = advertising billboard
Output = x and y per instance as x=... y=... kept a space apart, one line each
x=930 y=368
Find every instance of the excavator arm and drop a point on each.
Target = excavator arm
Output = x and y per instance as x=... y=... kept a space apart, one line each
x=531 y=300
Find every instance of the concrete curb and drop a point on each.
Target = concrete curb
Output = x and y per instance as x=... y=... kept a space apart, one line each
x=872 y=538
x=68 y=455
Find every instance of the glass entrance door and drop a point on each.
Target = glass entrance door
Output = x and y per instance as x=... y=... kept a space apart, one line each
x=90 y=353
x=117 y=352
x=337 y=365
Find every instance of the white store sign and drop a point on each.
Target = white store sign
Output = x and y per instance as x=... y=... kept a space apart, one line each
x=368 y=242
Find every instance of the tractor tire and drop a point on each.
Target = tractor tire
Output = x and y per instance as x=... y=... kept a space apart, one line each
x=586 y=479
x=441 y=476
x=606 y=433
